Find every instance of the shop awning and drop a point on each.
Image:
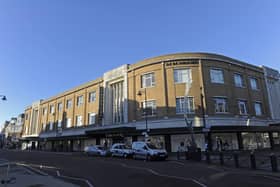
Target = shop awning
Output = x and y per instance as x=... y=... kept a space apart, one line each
x=245 y=129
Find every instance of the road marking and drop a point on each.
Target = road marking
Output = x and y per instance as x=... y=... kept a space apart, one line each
x=177 y=162
x=74 y=178
x=163 y=175
x=32 y=168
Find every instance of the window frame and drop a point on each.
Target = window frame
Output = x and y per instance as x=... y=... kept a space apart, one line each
x=242 y=80
x=90 y=96
x=182 y=109
x=90 y=114
x=153 y=80
x=239 y=101
x=226 y=109
x=211 y=77
x=77 y=124
x=176 y=80
x=154 y=109
x=256 y=81
x=261 y=108
x=80 y=103
x=69 y=103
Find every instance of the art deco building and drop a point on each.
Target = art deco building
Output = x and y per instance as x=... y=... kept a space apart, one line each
x=227 y=100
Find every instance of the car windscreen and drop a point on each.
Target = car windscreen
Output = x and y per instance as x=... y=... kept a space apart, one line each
x=124 y=147
x=151 y=146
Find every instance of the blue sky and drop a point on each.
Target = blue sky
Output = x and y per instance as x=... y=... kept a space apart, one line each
x=47 y=47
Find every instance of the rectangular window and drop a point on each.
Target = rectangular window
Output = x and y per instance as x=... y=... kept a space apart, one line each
x=51 y=126
x=68 y=122
x=148 y=80
x=69 y=103
x=59 y=107
x=59 y=123
x=80 y=100
x=44 y=111
x=91 y=118
x=182 y=75
x=221 y=105
x=79 y=121
x=184 y=105
x=238 y=80
x=217 y=76
x=91 y=97
x=52 y=109
x=149 y=108
x=26 y=116
x=254 y=83
x=44 y=126
x=258 y=108
x=242 y=106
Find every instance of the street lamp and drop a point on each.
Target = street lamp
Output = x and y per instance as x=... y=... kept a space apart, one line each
x=140 y=93
x=3 y=97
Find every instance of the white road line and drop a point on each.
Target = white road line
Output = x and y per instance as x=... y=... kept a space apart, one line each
x=32 y=168
x=163 y=175
x=74 y=178
x=177 y=162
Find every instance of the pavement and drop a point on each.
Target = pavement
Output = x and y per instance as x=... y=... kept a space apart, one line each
x=17 y=175
x=86 y=171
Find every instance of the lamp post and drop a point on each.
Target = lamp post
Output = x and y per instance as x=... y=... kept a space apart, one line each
x=140 y=93
x=3 y=97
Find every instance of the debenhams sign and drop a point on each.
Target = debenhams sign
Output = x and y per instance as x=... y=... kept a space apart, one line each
x=181 y=63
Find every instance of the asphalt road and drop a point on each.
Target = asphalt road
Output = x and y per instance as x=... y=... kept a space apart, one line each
x=109 y=172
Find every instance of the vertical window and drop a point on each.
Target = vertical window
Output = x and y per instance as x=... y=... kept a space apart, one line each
x=254 y=83
x=79 y=121
x=182 y=75
x=44 y=126
x=217 y=76
x=59 y=123
x=242 y=106
x=69 y=103
x=149 y=108
x=238 y=80
x=26 y=116
x=68 y=122
x=184 y=105
x=51 y=125
x=52 y=109
x=92 y=97
x=91 y=118
x=59 y=107
x=80 y=100
x=148 y=80
x=220 y=105
x=44 y=111
x=258 y=108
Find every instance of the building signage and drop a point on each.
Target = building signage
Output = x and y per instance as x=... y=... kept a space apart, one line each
x=181 y=63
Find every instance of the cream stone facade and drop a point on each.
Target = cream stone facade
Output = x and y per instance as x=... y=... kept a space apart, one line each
x=227 y=99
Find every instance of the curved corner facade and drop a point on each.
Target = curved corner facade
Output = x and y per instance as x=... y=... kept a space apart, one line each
x=225 y=99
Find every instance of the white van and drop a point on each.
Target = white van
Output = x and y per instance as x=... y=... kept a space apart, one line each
x=143 y=150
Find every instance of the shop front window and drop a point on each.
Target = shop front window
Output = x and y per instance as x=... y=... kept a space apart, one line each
x=255 y=140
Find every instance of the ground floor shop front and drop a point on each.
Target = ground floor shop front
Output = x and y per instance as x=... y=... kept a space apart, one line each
x=221 y=138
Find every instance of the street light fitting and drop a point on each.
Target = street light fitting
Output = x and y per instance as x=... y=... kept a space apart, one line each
x=139 y=93
x=4 y=98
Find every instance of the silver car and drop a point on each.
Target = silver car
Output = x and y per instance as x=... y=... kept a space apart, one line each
x=147 y=151
x=121 y=150
x=96 y=150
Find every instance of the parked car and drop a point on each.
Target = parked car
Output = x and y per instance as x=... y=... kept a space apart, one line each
x=143 y=150
x=96 y=150
x=121 y=150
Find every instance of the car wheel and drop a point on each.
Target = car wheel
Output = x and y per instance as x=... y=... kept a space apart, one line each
x=134 y=156
x=148 y=158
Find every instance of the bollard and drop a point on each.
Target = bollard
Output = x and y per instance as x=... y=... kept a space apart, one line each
x=236 y=160
x=208 y=160
x=221 y=158
x=178 y=155
x=253 y=161
x=273 y=161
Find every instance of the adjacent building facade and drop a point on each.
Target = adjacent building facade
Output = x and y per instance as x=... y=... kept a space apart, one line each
x=227 y=101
